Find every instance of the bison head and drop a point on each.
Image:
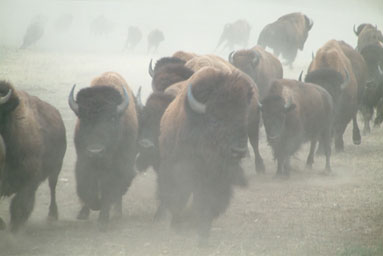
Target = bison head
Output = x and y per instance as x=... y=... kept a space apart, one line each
x=217 y=109
x=246 y=61
x=150 y=129
x=168 y=70
x=100 y=110
x=274 y=109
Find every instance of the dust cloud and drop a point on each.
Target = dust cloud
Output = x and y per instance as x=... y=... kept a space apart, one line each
x=308 y=215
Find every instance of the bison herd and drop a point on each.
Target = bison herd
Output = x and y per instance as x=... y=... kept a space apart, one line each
x=195 y=126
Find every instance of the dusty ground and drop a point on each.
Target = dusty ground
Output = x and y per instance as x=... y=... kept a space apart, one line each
x=309 y=214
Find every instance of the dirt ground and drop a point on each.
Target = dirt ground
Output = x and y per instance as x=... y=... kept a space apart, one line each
x=309 y=214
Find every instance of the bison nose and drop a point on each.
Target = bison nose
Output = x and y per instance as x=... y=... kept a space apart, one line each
x=145 y=143
x=238 y=152
x=95 y=149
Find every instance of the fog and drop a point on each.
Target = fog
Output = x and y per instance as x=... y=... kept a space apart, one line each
x=307 y=215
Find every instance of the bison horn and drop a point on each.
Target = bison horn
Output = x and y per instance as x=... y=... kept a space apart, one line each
x=312 y=55
x=194 y=104
x=346 y=80
x=151 y=71
x=5 y=98
x=72 y=103
x=311 y=23
x=256 y=58
x=138 y=97
x=125 y=103
x=300 y=76
x=231 y=60
x=355 y=31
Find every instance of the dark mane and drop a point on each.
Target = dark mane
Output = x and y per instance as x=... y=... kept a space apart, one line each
x=98 y=99
x=166 y=61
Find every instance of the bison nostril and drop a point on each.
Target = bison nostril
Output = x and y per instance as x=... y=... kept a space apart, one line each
x=145 y=143
x=95 y=149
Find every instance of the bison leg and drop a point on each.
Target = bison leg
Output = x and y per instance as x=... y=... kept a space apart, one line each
x=22 y=206
x=338 y=138
x=356 y=138
x=118 y=207
x=53 y=212
x=290 y=55
x=2 y=224
x=326 y=141
x=379 y=113
x=254 y=141
x=83 y=213
x=367 y=113
x=310 y=157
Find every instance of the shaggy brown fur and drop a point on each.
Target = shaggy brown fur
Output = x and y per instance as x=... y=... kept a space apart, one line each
x=104 y=177
x=368 y=35
x=169 y=70
x=34 y=137
x=331 y=56
x=266 y=68
x=286 y=35
x=307 y=118
x=209 y=60
x=196 y=149
x=185 y=56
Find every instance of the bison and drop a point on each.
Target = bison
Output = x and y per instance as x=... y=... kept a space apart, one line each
x=236 y=33
x=203 y=138
x=105 y=140
x=34 y=32
x=254 y=117
x=293 y=113
x=2 y=163
x=368 y=35
x=167 y=71
x=286 y=35
x=134 y=37
x=260 y=65
x=332 y=70
x=155 y=37
x=35 y=142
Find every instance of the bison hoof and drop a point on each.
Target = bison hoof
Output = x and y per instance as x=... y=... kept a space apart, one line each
x=2 y=224
x=84 y=213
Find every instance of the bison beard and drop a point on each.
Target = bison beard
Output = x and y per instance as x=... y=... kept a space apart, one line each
x=201 y=145
x=105 y=139
x=34 y=137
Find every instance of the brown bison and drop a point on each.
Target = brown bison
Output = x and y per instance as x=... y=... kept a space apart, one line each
x=332 y=70
x=155 y=37
x=217 y=62
x=286 y=35
x=236 y=33
x=260 y=65
x=134 y=37
x=293 y=113
x=35 y=142
x=34 y=32
x=203 y=138
x=105 y=141
x=368 y=35
x=167 y=71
